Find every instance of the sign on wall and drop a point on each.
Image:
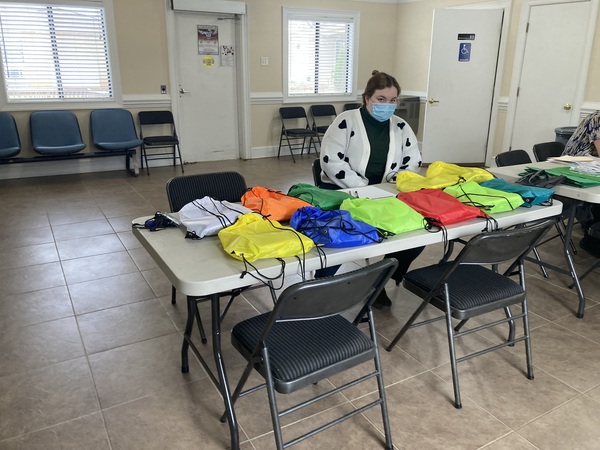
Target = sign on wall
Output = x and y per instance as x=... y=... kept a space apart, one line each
x=208 y=40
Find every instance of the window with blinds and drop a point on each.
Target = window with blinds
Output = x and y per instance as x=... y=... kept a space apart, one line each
x=320 y=52
x=54 y=53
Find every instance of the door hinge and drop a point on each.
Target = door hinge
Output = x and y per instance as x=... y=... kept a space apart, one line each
x=527 y=28
x=518 y=90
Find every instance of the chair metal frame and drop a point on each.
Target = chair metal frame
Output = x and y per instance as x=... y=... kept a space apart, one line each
x=319 y=113
x=466 y=287
x=308 y=312
x=153 y=120
x=295 y=129
x=224 y=186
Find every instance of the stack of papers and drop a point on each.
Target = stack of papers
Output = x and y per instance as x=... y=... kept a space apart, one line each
x=570 y=159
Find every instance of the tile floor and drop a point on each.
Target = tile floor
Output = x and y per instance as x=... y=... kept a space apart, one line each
x=90 y=343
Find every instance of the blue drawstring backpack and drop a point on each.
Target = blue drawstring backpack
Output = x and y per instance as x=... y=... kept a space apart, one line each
x=333 y=228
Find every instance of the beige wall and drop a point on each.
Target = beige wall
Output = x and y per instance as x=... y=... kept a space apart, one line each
x=393 y=38
x=142 y=40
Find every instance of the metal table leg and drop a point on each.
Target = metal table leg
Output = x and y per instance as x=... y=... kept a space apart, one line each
x=220 y=382
x=569 y=258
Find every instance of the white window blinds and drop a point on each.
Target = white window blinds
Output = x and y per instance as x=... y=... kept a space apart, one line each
x=54 y=53
x=321 y=55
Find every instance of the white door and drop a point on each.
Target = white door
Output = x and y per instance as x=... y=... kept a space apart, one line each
x=551 y=72
x=462 y=72
x=207 y=83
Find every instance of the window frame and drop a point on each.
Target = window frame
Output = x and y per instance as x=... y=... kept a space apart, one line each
x=111 y=38
x=319 y=14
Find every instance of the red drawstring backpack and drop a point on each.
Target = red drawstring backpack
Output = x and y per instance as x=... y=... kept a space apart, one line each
x=440 y=208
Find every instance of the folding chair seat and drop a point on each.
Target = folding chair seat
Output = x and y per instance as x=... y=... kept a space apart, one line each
x=322 y=116
x=224 y=186
x=546 y=150
x=10 y=143
x=295 y=129
x=55 y=132
x=154 y=121
x=466 y=288
x=305 y=339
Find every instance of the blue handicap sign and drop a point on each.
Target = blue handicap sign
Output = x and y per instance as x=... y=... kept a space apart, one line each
x=464 y=52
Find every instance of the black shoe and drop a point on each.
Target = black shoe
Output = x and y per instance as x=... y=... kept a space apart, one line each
x=397 y=278
x=382 y=301
x=590 y=245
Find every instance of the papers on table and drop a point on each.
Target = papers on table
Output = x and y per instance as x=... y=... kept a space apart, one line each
x=370 y=192
x=570 y=159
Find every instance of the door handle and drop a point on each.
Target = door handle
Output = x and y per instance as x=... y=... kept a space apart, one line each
x=431 y=101
x=567 y=106
x=183 y=91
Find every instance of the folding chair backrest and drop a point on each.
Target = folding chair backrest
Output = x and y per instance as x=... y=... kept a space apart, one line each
x=292 y=112
x=348 y=106
x=512 y=157
x=546 y=150
x=227 y=186
x=155 y=117
x=322 y=110
x=496 y=247
x=333 y=295
x=10 y=143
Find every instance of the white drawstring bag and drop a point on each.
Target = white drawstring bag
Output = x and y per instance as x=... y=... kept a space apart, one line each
x=206 y=216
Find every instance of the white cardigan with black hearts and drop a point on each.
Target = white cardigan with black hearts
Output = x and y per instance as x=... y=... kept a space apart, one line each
x=345 y=151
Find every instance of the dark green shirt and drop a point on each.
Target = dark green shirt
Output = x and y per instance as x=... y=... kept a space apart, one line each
x=379 y=139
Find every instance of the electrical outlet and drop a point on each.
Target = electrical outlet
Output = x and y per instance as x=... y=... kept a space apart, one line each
x=264 y=60
x=163 y=88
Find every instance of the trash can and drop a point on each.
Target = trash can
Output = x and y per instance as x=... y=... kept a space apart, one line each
x=563 y=134
x=408 y=108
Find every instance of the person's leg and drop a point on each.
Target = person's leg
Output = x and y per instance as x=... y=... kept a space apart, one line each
x=405 y=258
x=326 y=271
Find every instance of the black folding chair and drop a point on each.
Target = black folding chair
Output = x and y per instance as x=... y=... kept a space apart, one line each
x=322 y=116
x=224 y=186
x=545 y=150
x=295 y=130
x=512 y=158
x=305 y=339
x=153 y=121
x=348 y=106
x=464 y=288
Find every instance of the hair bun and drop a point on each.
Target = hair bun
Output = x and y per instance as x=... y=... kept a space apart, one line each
x=375 y=72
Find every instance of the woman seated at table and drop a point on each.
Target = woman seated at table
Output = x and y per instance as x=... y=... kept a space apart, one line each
x=586 y=138
x=370 y=145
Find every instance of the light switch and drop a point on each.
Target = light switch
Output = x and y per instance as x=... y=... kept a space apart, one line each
x=264 y=60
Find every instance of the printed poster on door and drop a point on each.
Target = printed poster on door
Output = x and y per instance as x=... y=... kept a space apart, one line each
x=208 y=40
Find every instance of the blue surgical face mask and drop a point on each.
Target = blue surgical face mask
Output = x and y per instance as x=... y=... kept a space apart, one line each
x=383 y=111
